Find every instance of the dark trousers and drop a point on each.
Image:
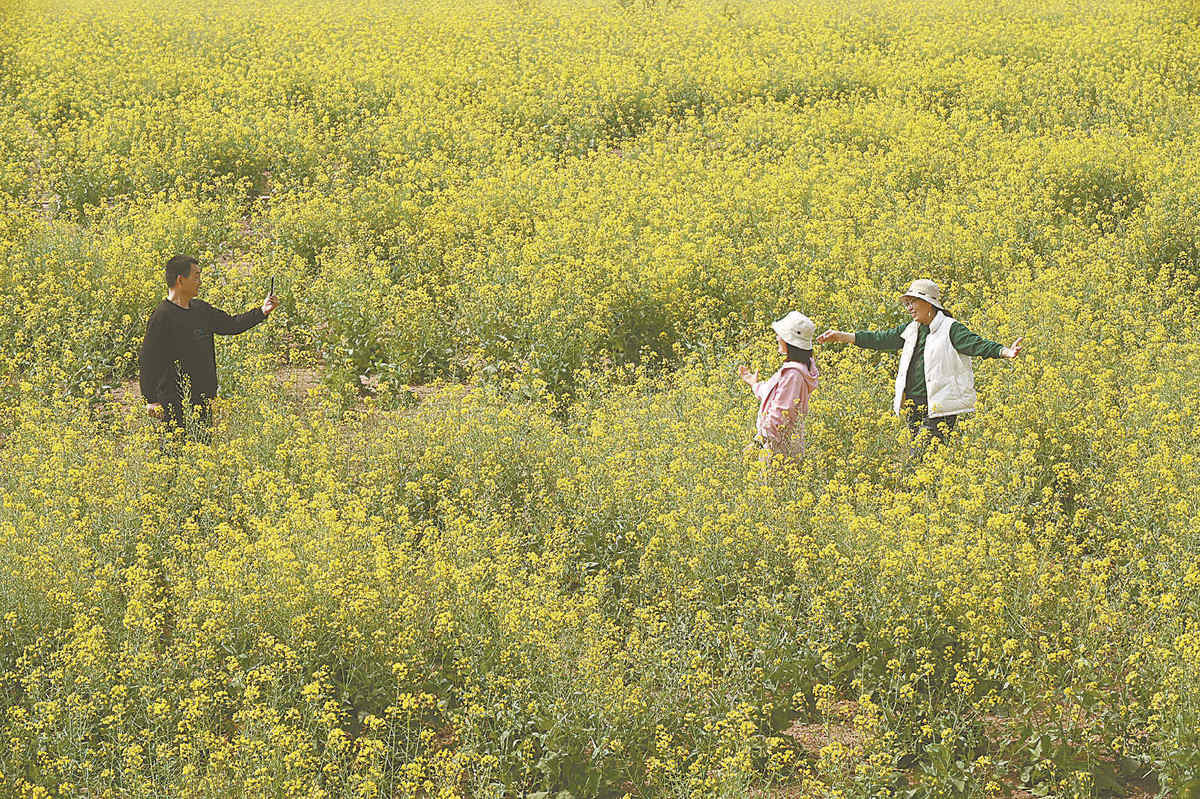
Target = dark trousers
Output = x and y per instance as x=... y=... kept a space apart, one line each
x=924 y=429
x=196 y=423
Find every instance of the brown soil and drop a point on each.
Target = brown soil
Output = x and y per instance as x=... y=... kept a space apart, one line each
x=297 y=381
x=814 y=737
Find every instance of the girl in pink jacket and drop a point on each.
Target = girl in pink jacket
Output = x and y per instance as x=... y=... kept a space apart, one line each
x=783 y=397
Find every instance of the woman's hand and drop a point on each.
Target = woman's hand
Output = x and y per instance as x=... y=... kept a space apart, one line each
x=744 y=372
x=835 y=336
x=1013 y=351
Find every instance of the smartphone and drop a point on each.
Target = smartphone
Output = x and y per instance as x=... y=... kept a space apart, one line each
x=271 y=292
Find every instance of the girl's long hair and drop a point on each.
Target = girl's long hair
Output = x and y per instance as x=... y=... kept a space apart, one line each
x=794 y=353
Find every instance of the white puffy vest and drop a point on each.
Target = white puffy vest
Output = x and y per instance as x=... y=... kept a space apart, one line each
x=949 y=376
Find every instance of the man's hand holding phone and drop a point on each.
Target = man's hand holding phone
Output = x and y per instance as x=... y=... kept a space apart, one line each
x=271 y=302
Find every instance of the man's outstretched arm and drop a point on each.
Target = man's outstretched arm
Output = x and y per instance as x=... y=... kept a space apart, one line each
x=228 y=325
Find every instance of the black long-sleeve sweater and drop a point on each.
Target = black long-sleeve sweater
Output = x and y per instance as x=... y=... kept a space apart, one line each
x=179 y=341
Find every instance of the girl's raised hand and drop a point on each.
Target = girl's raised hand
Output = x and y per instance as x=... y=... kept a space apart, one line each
x=744 y=372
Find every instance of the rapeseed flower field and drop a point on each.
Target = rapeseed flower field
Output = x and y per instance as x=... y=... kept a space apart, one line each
x=476 y=518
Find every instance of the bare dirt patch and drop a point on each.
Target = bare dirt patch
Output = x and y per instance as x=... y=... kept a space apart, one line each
x=812 y=738
x=297 y=381
x=127 y=394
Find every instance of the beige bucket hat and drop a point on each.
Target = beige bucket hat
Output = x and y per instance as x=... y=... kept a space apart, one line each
x=925 y=290
x=796 y=329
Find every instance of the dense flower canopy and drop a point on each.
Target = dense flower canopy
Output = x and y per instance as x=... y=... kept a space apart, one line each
x=502 y=539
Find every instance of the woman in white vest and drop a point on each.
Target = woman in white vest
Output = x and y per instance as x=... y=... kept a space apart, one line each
x=936 y=380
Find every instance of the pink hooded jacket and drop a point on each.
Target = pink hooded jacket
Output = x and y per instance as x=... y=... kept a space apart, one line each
x=783 y=400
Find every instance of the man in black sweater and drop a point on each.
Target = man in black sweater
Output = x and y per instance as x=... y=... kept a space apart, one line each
x=179 y=342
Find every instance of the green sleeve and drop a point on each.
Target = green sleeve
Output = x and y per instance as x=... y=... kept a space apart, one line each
x=972 y=344
x=883 y=340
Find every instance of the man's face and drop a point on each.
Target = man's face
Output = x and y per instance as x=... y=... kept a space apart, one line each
x=189 y=285
x=918 y=309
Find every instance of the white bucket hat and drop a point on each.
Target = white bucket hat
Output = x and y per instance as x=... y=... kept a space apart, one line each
x=925 y=290
x=796 y=329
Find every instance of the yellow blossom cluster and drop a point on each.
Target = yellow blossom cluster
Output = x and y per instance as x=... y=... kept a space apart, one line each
x=507 y=541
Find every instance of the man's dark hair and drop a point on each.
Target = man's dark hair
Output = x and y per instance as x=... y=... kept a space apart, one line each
x=794 y=353
x=177 y=267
